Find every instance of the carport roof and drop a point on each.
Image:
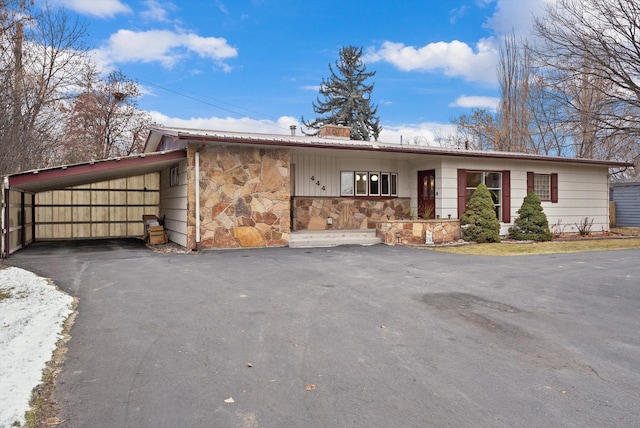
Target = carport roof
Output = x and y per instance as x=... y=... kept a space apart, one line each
x=60 y=177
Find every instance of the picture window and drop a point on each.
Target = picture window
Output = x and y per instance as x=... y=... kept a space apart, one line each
x=368 y=183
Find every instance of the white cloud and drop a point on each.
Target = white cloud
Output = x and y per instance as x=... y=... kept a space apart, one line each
x=222 y=7
x=475 y=101
x=516 y=16
x=422 y=133
x=314 y=88
x=98 y=8
x=457 y=13
x=455 y=58
x=156 y=11
x=164 y=46
x=244 y=124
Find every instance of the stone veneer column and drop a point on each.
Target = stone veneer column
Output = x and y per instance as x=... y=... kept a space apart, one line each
x=244 y=197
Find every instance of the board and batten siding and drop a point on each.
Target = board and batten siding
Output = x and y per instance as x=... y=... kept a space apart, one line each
x=108 y=209
x=582 y=190
x=173 y=204
x=318 y=174
x=627 y=199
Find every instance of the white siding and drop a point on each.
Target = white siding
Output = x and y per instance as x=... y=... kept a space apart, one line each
x=325 y=168
x=582 y=190
x=173 y=204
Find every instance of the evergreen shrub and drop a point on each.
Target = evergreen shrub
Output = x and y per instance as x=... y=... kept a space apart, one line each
x=532 y=223
x=479 y=220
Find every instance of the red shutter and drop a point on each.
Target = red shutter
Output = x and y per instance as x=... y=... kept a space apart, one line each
x=506 y=196
x=530 y=186
x=554 y=187
x=462 y=191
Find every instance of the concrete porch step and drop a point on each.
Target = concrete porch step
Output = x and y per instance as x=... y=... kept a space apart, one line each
x=332 y=238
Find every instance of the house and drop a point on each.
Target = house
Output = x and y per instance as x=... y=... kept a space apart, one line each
x=253 y=190
x=218 y=189
x=625 y=193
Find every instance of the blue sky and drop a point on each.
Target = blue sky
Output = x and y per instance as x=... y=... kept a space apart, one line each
x=255 y=65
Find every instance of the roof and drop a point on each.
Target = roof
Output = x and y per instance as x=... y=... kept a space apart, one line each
x=629 y=181
x=60 y=177
x=246 y=138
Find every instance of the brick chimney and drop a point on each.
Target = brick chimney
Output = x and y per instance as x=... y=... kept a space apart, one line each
x=335 y=131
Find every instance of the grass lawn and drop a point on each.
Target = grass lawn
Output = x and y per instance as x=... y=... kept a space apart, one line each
x=627 y=241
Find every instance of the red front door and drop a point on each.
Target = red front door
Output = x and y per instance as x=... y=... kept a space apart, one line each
x=427 y=194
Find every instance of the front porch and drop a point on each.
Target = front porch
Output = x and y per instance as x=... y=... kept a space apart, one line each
x=332 y=238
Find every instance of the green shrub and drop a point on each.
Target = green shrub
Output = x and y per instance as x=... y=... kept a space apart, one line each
x=480 y=219
x=532 y=223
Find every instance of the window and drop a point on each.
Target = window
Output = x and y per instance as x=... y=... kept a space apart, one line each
x=361 y=183
x=498 y=183
x=346 y=183
x=368 y=183
x=544 y=185
x=493 y=181
x=174 y=177
x=374 y=184
x=385 y=190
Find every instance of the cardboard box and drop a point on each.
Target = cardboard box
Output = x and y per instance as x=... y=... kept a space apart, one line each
x=157 y=237
x=154 y=233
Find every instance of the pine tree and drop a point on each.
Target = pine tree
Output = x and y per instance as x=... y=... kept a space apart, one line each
x=347 y=98
x=480 y=217
x=532 y=223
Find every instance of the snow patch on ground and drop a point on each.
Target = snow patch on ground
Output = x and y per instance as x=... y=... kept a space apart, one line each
x=31 y=323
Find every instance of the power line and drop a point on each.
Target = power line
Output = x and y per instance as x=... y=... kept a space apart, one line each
x=209 y=103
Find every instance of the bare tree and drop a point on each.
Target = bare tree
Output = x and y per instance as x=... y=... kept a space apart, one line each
x=512 y=127
x=42 y=58
x=514 y=115
x=104 y=121
x=549 y=134
x=592 y=48
x=478 y=130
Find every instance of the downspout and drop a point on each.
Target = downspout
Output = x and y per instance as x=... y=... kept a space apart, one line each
x=197 y=183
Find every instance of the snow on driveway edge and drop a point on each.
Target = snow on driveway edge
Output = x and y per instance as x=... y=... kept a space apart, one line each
x=31 y=323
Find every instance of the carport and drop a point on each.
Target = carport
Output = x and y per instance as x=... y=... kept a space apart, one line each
x=97 y=199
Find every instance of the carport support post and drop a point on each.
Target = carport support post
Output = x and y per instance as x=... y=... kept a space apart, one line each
x=4 y=219
x=197 y=201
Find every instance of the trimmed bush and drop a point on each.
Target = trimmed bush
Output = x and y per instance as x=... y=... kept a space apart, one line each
x=532 y=223
x=480 y=219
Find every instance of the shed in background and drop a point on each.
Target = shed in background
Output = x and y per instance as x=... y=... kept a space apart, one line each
x=625 y=193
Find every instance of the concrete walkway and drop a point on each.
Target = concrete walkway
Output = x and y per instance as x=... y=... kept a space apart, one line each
x=350 y=336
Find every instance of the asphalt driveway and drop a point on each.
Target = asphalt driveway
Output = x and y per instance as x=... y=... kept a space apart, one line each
x=345 y=337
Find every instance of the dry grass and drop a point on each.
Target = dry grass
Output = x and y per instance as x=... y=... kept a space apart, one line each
x=44 y=406
x=626 y=231
x=554 y=247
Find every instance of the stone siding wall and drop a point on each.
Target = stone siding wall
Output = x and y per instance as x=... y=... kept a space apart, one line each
x=413 y=232
x=244 y=197
x=346 y=213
